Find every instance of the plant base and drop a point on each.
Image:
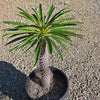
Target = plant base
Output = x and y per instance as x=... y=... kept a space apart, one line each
x=58 y=91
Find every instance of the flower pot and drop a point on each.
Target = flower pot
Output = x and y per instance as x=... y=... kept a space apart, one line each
x=58 y=92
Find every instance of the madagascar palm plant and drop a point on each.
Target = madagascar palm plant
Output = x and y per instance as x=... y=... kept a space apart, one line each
x=44 y=32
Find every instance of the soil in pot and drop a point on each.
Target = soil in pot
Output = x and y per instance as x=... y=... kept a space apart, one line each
x=37 y=92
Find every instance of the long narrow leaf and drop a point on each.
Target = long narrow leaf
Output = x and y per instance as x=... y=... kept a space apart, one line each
x=15 y=46
x=35 y=19
x=55 y=16
x=10 y=29
x=64 y=46
x=19 y=32
x=59 y=15
x=63 y=20
x=57 y=49
x=29 y=46
x=64 y=40
x=64 y=28
x=27 y=14
x=60 y=35
x=27 y=17
x=59 y=12
x=49 y=13
x=36 y=13
x=24 y=16
x=37 y=52
x=15 y=23
x=40 y=14
x=65 y=24
x=68 y=33
x=38 y=36
x=17 y=39
x=30 y=27
x=28 y=40
x=17 y=35
x=49 y=45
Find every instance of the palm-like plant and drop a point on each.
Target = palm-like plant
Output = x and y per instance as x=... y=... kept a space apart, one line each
x=44 y=32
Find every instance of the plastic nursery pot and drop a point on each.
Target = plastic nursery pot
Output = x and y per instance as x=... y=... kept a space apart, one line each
x=59 y=90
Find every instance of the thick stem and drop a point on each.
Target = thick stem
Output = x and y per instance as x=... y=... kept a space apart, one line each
x=46 y=74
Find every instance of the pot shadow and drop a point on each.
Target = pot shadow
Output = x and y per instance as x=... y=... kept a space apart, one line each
x=12 y=82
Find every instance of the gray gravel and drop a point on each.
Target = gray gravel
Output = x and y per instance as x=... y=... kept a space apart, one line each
x=83 y=70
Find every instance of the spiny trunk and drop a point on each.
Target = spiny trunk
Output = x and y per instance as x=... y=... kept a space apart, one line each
x=46 y=74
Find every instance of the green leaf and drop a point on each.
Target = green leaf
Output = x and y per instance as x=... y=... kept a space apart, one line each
x=36 y=14
x=17 y=35
x=49 y=13
x=49 y=45
x=65 y=28
x=60 y=35
x=15 y=46
x=27 y=41
x=40 y=14
x=19 y=32
x=74 y=34
x=65 y=24
x=27 y=15
x=57 y=49
x=64 y=40
x=63 y=45
x=67 y=33
x=28 y=18
x=63 y=20
x=35 y=19
x=15 y=23
x=37 y=52
x=30 y=27
x=23 y=16
x=57 y=15
x=16 y=39
x=22 y=28
x=10 y=29
x=38 y=36
x=59 y=12
x=31 y=44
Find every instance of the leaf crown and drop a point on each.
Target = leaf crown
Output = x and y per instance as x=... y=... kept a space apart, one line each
x=49 y=28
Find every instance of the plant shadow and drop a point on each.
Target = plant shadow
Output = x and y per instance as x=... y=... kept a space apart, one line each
x=12 y=82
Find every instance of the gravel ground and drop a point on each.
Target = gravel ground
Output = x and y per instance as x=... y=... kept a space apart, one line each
x=82 y=71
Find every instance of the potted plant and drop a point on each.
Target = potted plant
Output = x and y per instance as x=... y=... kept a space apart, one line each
x=45 y=83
